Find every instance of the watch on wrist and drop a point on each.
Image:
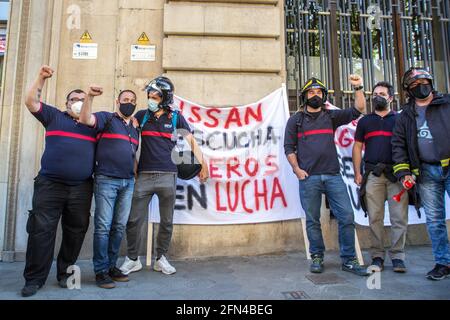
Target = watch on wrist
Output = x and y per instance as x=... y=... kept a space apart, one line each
x=358 y=88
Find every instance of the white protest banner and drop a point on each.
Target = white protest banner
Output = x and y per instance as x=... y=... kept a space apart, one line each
x=250 y=178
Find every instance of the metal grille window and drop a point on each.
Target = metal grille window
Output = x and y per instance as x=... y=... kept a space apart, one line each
x=379 y=39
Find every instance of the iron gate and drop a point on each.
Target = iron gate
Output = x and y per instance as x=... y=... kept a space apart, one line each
x=378 y=39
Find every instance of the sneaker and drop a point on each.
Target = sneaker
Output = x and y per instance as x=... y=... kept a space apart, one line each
x=378 y=262
x=439 y=272
x=30 y=290
x=398 y=266
x=353 y=266
x=104 y=281
x=317 y=264
x=117 y=275
x=130 y=266
x=162 y=265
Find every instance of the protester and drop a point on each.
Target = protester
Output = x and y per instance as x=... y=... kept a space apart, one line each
x=62 y=189
x=378 y=183
x=310 y=149
x=115 y=160
x=157 y=173
x=421 y=151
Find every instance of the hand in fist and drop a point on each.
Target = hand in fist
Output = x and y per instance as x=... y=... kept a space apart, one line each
x=45 y=72
x=355 y=80
x=95 y=91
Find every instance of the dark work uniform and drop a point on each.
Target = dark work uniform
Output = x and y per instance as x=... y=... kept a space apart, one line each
x=310 y=136
x=117 y=146
x=376 y=133
x=62 y=189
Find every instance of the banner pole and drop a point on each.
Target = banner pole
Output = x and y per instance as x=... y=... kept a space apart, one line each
x=149 y=244
x=305 y=238
x=358 y=250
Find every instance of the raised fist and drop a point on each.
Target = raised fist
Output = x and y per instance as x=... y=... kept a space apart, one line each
x=45 y=72
x=355 y=80
x=95 y=90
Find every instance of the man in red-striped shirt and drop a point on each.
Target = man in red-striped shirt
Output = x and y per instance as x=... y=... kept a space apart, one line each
x=62 y=189
x=311 y=151
x=115 y=164
x=378 y=185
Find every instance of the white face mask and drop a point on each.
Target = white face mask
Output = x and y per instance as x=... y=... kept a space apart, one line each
x=76 y=107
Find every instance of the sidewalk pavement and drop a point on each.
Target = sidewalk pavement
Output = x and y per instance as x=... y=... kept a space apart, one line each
x=272 y=277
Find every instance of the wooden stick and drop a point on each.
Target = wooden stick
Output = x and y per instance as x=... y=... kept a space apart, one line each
x=358 y=250
x=305 y=238
x=149 y=244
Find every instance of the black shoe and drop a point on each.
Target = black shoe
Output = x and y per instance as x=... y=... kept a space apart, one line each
x=317 y=264
x=439 y=272
x=30 y=290
x=398 y=266
x=104 y=281
x=378 y=262
x=118 y=275
x=63 y=281
x=353 y=266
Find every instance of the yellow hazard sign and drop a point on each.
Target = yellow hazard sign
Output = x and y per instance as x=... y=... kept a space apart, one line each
x=86 y=37
x=143 y=39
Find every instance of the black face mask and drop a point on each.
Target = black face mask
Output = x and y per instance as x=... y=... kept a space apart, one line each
x=422 y=91
x=379 y=103
x=127 y=109
x=315 y=102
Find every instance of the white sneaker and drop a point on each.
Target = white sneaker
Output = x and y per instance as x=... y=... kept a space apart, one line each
x=162 y=265
x=130 y=266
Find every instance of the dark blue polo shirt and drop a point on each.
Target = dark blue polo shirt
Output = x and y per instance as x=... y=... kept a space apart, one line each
x=116 y=147
x=311 y=137
x=69 y=147
x=376 y=133
x=157 y=144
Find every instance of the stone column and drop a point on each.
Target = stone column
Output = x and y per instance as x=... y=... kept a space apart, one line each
x=21 y=136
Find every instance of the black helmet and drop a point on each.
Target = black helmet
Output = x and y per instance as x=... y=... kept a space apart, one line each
x=414 y=74
x=164 y=87
x=314 y=83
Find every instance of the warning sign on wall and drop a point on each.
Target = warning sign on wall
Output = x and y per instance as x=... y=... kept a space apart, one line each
x=144 y=39
x=86 y=37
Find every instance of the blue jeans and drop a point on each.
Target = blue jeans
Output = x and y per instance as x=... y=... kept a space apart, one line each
x=432 y=186
x=112 y=208
x=334 y=188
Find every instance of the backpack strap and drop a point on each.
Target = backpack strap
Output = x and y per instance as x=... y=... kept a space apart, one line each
x=174 y=124
x=145 y=120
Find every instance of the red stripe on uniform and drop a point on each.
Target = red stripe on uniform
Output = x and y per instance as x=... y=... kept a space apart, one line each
x=377 y=134
x=313 y=132
x=156 y=134
x=117 y=136
x=69 y=135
